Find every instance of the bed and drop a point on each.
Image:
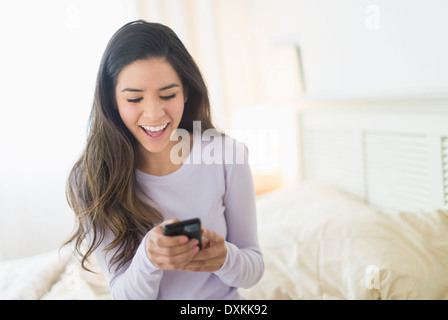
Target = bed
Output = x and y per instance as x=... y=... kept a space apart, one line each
x=368 y=218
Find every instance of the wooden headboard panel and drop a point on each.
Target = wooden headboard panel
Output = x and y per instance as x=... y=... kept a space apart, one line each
x=393 y=153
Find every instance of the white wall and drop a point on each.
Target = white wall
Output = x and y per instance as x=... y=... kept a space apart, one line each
x=364 y=47
x=50 y=53
x=350 y=49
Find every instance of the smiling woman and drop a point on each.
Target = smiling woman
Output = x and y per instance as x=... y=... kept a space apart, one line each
x=153 y=112
x=125 y=187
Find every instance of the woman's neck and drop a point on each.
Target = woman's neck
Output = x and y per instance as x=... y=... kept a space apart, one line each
x=160 y=163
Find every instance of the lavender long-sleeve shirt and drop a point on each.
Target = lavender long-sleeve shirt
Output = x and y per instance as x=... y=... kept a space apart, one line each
x=222 y=196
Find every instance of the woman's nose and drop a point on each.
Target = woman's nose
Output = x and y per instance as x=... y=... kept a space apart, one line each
x=153 y=110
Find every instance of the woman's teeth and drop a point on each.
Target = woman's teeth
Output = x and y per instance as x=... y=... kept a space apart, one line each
x=155 y=129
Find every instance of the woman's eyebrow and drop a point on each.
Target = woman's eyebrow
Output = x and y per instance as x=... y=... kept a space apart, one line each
x=131 y=90
x=173 y=85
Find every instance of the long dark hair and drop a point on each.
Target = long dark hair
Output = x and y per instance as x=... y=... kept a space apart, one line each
x=102 y=189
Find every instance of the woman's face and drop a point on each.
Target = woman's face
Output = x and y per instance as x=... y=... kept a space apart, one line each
x=150 y=99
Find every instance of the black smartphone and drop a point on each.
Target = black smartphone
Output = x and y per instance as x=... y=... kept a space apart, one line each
x=190 y=228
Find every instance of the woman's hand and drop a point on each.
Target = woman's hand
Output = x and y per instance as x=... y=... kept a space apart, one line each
x=169 y=253
x=212 y=256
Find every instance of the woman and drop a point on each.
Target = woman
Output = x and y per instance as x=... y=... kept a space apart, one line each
x=129 y=181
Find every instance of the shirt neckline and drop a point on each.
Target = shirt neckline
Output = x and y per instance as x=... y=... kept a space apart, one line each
x=175 y=174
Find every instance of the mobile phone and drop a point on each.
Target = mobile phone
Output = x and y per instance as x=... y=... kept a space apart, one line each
x=190 y=228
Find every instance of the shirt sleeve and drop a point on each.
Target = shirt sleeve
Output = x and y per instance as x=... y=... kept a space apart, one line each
x=244 y=265
x=139 y=279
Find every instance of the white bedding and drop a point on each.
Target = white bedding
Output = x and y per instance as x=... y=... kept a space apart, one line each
x=318 y=243
x=55 y=275
x=31 y=278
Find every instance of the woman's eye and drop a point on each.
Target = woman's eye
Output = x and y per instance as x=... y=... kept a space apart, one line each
x=135 y=100
x=168 y=97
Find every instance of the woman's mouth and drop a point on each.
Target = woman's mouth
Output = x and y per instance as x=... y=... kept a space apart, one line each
x=155 y=131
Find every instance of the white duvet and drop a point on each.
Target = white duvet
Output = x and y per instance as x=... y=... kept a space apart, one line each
x=31 y=278
x=55 y=275
x=318 y=243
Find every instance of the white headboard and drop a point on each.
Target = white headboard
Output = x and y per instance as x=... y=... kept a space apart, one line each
x=393 y=153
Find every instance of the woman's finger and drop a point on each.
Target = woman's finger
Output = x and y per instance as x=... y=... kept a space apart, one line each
x=172 y=262
x=212 y=236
